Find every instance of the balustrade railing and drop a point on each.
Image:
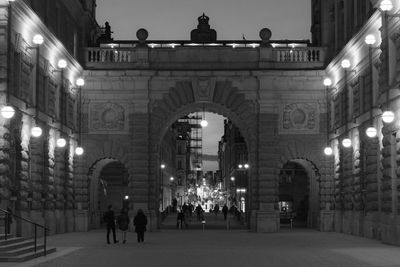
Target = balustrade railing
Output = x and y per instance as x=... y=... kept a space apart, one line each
x=302 y=54
x=120 y=55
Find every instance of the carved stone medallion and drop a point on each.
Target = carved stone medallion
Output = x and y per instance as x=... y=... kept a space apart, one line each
x=106 y=117
x=299 y=118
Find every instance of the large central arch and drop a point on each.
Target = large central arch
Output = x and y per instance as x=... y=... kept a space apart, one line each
x=221 y=98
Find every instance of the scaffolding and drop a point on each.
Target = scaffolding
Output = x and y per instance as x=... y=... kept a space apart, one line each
x=196 y=139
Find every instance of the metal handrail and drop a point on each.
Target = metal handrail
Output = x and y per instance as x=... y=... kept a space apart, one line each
x=7 y=226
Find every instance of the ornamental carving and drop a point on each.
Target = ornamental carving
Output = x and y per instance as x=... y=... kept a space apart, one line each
x=106 y=117
x=203 y=89
x=299 y=118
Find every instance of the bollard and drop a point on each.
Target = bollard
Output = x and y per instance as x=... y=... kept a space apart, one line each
x=203 y=223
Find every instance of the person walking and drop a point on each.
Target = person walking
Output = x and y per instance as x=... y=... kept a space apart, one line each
x=199 y=211
x=110 y=221
x=123 y=223
x=140 y=222
x=225 y=211
x=216 y=209
x=180 y=220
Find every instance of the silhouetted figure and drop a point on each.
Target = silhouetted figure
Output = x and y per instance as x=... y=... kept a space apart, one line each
x=180 y=220
x=174 y=204
x=225 y=211
x=110 y=221
x=191 y=208
x=123 y=224
x=216 y=209
x=105 y=36
x=140 y=222
x=199 y=211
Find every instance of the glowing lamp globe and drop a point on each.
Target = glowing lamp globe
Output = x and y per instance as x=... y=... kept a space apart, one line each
x=80 y=82
x=162 y=166
x=240 y=166
x=246 y=166
x=7 y=112
x=371 y=132
x=346 y=142
x=370 y=39
x=204 y=123
x=126 y=197
x=232 y=178
x=328 y=151
x=62 y=64
x=345 y=64
x=79 y=151
x=61 y=142
x=36 y=131
x=171 y=178
x=37 y=39
x=388 y=116
x=386 y=5
x=327 y=82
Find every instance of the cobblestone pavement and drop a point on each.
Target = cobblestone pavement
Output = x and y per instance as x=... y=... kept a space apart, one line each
x=195 y=248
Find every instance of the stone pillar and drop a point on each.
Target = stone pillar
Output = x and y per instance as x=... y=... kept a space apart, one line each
x=326 y=195
x=81 y=191
x=59 y=184
x=267 y=216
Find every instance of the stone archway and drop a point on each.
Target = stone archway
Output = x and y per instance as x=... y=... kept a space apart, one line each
x=95 y=186
x=312 y=193
x=203 y=95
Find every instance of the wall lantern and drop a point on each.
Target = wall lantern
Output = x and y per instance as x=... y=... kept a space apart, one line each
x=371 y=132
x=79 y=151
x=80 y=82
x=36 y=131
x=7 y=112
x=328 y=151
x=388 y=116
x=62 y=64
x=386 y=5
x=346 y=142
x=345 y=64
x=61 y=142
x=370 y=39
x=327 y=82
x=37 y=39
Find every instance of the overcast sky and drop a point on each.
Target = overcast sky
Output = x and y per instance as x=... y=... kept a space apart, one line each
x=174 y=19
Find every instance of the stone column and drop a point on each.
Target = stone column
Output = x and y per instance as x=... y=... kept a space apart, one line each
x=267 y=216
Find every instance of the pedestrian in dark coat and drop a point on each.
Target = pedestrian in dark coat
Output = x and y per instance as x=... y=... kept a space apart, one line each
x=225 y=211
x=140 y=222
x=110 y=221
x=123 y=223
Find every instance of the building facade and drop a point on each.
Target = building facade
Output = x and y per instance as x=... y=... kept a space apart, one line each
x=272 y=90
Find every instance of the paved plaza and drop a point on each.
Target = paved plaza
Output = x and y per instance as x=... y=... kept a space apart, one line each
x=195 y=248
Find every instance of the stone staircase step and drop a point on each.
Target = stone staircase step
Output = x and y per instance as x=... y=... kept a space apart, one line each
x=26 y=256
x=11 y=240
x=16 y=245
x=21 y=250
x=2 y=236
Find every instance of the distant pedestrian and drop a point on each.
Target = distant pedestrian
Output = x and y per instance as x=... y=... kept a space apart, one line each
x=174 y=204
x=216 y=209
x=140 y=222
x=199 y=211
x=225 y=211
x=180 y=219
x=123 y=223
x=110 y=221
